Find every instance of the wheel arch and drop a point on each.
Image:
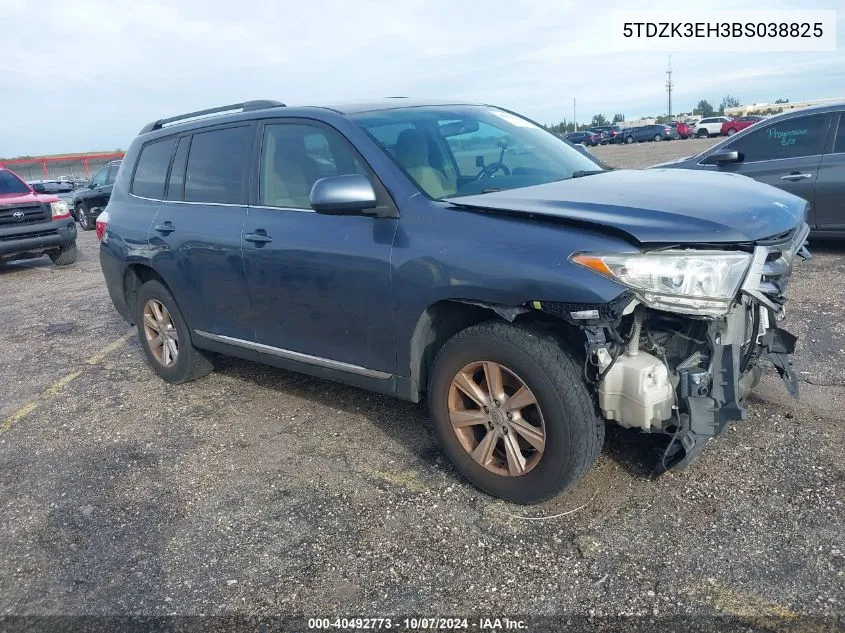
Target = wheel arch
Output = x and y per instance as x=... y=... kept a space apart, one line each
x=134 y=276
x=440 y=321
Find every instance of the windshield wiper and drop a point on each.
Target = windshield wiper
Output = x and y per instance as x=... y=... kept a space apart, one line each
x=587 y=172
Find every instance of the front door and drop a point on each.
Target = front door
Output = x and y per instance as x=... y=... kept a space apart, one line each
x=93 y=198
x=319 y=284
x=785 y=154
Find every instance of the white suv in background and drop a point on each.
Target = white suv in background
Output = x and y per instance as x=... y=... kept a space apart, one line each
x=710 y=126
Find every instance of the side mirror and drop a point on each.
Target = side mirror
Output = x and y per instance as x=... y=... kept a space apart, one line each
x=479 y=161
x=722 y=157
x=350 y=194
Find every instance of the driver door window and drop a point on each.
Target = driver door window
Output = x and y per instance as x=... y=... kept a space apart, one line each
x=294 y=156
x=99 y=178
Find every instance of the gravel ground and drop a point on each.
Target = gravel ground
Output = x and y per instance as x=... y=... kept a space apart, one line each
x=264 y=492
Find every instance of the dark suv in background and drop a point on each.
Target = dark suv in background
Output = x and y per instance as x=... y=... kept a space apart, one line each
x=462 y=254
x=91 y=199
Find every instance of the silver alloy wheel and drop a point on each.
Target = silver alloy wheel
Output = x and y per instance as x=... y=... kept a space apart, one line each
x=160 y=332
x=731 y=132
x=82 y=216
x=497 y=418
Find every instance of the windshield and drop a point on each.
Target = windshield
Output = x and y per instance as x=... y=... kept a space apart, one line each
x=9 y=183
x=453 y=151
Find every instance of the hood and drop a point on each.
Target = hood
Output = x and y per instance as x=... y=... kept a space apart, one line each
x=665 y=206
x=7 y=199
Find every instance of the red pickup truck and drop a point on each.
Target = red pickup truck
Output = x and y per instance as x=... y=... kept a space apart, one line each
x=33 y=224
x=729 y=128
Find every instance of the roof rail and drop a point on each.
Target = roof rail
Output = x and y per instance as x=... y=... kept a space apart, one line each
x=246 y=106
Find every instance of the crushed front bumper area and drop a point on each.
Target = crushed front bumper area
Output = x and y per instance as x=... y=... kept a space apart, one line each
x=687 y=376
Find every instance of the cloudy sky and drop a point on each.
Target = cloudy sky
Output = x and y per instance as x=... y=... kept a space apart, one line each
x=83 y=75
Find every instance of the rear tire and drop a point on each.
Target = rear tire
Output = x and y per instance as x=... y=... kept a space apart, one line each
x=65 y=256
x=731 y=131
x=189 y=362
x=572 y=432
x=657 y=138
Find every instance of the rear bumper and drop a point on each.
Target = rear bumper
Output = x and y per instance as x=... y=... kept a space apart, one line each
x=32 y=240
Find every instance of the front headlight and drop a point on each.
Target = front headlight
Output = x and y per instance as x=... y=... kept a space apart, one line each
x=59 y=210
x=691 y=282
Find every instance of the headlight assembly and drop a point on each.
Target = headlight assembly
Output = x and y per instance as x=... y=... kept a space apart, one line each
x=59 y=210
x=686 y=281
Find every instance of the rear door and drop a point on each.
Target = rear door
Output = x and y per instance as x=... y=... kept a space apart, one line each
x=830 y=186
x=195 y=239
x=785 y=154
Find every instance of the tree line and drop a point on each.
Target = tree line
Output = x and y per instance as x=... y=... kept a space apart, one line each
x=703 y=109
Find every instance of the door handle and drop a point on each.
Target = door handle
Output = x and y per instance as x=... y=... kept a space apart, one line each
x=796 y=176
x=165 y=228
x=259 y=237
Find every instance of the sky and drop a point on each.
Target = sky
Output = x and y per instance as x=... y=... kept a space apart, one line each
x=85 y=75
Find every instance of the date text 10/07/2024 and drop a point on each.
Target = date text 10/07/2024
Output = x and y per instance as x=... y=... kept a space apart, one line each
x=417 y=624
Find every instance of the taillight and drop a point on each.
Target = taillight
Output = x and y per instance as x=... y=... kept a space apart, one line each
x=101 y=224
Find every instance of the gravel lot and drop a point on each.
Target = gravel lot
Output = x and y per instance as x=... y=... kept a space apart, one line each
x=259 y=491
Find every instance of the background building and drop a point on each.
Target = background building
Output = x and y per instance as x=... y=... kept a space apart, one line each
x=49 y=167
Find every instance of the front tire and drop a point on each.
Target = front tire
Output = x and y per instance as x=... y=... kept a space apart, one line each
x=629 y=139
x=539 y=433
x=82 y=217
x=703 y=134
x=65 y=256
x=165 y=337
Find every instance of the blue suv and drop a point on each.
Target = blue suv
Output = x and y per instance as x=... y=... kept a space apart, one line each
x=461 y=254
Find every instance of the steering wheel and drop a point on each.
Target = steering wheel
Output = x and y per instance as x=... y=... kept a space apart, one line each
x=492 y=168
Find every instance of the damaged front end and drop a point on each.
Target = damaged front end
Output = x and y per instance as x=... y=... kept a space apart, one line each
x=681 y=364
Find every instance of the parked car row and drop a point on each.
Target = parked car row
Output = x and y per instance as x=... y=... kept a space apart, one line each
x=706 y=127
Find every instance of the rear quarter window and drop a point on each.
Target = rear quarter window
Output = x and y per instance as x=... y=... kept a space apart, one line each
x=151 y=172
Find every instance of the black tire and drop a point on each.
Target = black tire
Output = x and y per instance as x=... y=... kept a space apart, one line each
x=731 y=131
x=629 y=139
x=658 y=138
x=574 y=433
x=191 y=363
x=703 y=134
x=83 y=218
x=65 y=256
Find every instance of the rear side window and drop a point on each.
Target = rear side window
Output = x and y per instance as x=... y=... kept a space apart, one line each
x=216 y=166
x=151 y=171
x=791 y=138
